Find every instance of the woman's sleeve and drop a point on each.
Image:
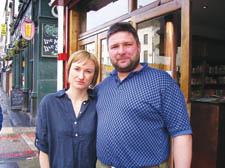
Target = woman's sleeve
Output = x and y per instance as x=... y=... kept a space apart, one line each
x=41 y=141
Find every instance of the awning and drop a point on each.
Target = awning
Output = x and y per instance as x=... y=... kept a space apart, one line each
x=87 y=4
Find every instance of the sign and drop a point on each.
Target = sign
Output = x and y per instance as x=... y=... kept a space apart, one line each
x=49 y=40
x=16 y=99
x=3 y=30
x=17 y=34
x=28 y=29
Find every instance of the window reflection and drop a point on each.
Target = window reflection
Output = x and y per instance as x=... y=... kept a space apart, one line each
x=105 y=60
x=90 y=48
x=156 y=46
x=107 y=13
x=141 y=3
x=151 y=34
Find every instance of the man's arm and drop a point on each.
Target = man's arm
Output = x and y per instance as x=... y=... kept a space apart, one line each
x=44 y=160
x=182 y=147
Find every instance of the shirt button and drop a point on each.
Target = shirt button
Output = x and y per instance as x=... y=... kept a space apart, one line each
x=76 y=135
x=75 y=123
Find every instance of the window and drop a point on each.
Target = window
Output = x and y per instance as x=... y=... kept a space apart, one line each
x=107 y=13
x=151 y=39
x=146 y=56
x=105 y=62
x=141 y=3
x=145 y=38
x=90 y=48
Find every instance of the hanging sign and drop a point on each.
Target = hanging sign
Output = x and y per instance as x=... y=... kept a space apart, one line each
x=28 y=29
x=3 y=30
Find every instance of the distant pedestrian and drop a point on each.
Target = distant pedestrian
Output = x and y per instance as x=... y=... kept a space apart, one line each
x=1 y=118
x=67 y=119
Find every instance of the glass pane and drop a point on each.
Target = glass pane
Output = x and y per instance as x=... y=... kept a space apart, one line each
x=105 y=60
x=107 y=13
x=90 y=48
x=142 y=3
x=153 y=46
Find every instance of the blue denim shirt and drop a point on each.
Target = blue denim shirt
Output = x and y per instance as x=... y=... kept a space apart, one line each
x=70 y=142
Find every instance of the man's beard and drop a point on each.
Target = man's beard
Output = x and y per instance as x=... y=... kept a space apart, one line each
x=133 y=64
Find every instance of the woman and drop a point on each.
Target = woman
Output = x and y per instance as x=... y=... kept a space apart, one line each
x=66 y=120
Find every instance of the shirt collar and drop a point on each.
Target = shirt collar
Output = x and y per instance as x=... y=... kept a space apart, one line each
x=91 y=93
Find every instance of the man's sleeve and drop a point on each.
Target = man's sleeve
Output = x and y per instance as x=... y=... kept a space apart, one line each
x=174 y=110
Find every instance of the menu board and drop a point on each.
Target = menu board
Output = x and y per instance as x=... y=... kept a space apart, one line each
x=16 y=98
x=49 y=40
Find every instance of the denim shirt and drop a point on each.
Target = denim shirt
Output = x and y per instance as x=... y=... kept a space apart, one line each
x=69 y=141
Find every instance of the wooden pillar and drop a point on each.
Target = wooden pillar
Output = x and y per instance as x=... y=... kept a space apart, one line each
x=185 y=83
x=132 y=5
x=171 y=43
x=74 y=31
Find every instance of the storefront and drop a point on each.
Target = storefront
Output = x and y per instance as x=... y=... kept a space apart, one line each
x=175 y=36
x=34 y=59
x=162 y=35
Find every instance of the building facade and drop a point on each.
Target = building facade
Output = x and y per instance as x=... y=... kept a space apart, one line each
x=34 y=59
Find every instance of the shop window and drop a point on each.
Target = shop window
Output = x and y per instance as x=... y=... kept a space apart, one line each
x=153 y=44
x=89 y=47
x=107 y=13
x=153 y=29
x=105 y=60
x=141 y=3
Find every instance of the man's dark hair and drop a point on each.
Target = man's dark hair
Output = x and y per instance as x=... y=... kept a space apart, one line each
x=122 y=26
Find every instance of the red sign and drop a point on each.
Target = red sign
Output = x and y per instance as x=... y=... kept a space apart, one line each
x=28 y=29
x=62 y=56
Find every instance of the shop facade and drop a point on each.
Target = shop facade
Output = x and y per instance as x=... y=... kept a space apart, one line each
x=163 y=27
x=34 y=59
x=172 y=39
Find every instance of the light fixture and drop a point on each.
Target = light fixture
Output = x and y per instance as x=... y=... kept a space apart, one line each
x=204 y=6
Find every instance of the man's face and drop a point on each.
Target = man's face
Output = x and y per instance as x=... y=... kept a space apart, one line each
x=124 y=52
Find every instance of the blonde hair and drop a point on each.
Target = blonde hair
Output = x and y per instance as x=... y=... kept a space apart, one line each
x=84 y=56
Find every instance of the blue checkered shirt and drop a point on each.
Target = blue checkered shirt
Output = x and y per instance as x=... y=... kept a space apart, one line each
x=137 y=116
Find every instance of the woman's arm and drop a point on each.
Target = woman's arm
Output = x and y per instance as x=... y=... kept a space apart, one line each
x=43 y=159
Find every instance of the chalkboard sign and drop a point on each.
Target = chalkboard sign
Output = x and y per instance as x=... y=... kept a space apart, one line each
x=49 y=40
x=16 y=98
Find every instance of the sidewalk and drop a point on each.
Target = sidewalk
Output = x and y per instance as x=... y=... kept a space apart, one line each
x=17 y=149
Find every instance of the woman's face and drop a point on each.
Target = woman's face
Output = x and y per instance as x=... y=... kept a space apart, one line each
x=81 y=74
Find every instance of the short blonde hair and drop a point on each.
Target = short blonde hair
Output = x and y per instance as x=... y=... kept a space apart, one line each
x=84 y=56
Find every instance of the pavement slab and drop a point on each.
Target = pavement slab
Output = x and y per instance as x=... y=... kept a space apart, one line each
x=17 y=146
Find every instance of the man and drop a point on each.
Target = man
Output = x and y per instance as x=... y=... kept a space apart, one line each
x=139 y=108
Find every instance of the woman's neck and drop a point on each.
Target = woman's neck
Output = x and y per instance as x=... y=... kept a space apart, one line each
x=77 y=94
